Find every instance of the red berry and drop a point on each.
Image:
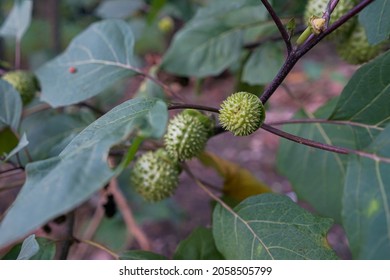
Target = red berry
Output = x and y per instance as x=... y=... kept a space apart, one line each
x=72 y=70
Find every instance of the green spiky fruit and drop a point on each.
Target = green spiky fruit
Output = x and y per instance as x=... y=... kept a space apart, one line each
x=24 y=82
x=242 y=113
x=318 y=7
x=155 y=175
x=356 y=49
x=187 y=134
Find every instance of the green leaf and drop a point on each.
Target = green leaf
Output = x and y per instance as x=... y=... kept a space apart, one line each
x=366 y=202
x=10 y=105
x=141 y=255
x=21 y=145
x=376 y=21
x=366 y=98
x=318 y=176
x=59 y=184
x=46 y=249
x=8 y=141
x=118 y=8
x=29 y=248
x=112 y=233
x=263 y=64
x=270 y=226
x=18 y=20
x=199 y=245
x=101 y=55
x=212 y=41
x=49 y=132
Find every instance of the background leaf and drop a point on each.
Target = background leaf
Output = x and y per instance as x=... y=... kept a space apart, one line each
x=376 y=21
x=101 y=55
x=270 y=226
x=10 y=105
x=118 y=8
x=212 y=40
x=366 y=97
x=238 y=183
x=318 y=176
x=18 y=20
x=263 y=64
x=366 y=210
x=199 y=245
x=85 y=163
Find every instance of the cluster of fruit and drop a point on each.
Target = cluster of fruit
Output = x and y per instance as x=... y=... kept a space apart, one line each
x=351 y=40
x=155 y=174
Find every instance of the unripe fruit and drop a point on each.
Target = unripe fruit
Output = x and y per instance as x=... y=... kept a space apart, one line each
x=318 y=7
x=155 y=175
x=166 y=24
x=187 y=134
x=356 y=49
x=242 y=113
x=24 y=82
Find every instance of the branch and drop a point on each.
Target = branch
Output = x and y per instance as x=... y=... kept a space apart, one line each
x=193 y=106
x=279 y=24
x=316 y=39
x=322 y=146
x=128 y=217
x=70 y=238
x=296 y=54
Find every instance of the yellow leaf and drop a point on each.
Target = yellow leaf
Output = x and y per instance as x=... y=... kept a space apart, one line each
x=239 y=183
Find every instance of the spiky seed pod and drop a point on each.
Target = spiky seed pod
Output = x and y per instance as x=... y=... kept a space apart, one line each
x=155 y=175
x=187 y=134
x=356 y=49
x=24 y=82
x=242 y=113
x=318 y=7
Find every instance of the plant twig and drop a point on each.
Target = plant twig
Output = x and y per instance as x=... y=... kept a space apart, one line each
x=68 y=242
x=128 y=216
x=301 y=121
x=91 y=229
x=329 y=10
x=192 y=106
x=322 y=146
x=279 y=24
x=101 y=247
x=297 y=53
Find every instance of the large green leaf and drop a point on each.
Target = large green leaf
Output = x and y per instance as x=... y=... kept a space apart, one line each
x=10 y=105
x=366 y=98
x=50 y=131
x=94 y=60
x=33 y=249
x=318 y=176
x=375 y=19
x=270 y=226
x=18 y=20
x=57 y=185
x=199 y=245
x=366 y=203
x=212 y=41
